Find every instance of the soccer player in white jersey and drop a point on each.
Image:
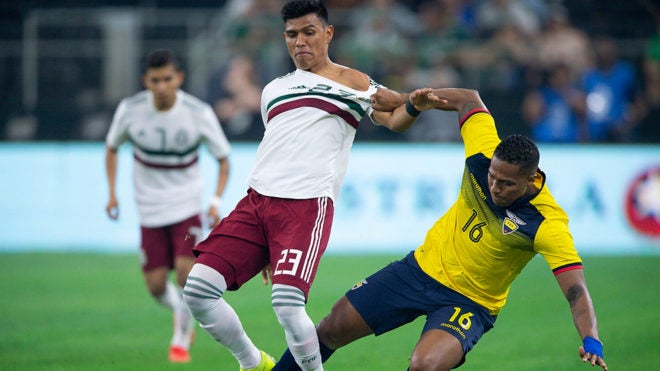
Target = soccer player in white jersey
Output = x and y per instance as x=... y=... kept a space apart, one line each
x=310 y=117
x=166 y=127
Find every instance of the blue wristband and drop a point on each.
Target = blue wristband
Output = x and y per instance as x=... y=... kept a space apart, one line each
x=593 y=346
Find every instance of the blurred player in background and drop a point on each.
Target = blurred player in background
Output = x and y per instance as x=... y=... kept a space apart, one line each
x=310 y=117
x=166 y=127
x=459 y=278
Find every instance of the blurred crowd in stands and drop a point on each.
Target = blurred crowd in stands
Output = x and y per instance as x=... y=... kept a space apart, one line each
x=583 y=71
x=543 y=73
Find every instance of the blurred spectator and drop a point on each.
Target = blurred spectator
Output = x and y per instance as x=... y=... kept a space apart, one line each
x=341 y=4
x=561 y=43
x=498 y=54
x=255 y=29
x=499 y=61
x=378 y=38
x=402 y=18
x=442 y=33
x=495 y=14
x=434 y=125
x=614 y=103
x=500 y=47
x=555 y=111
x=235 y=94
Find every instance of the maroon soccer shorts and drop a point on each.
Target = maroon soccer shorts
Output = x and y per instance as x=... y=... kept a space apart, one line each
x=162 y=244
x=290 y=235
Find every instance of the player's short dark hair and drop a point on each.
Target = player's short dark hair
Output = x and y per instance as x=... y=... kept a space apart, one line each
x=161 y=58
x=299 y=8
x=519 y=150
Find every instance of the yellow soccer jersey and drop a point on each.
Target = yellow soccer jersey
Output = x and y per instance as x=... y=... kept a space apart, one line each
x=477 y=248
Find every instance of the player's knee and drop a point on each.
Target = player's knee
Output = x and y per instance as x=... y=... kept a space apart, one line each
x=181 y=277
x=156 y=290
x=288 y=316
x=329 y=333
x=425 y=361
x=203 y=289
x=289 y=307
x=156 y=282
x=342 y=325
x=182 y=268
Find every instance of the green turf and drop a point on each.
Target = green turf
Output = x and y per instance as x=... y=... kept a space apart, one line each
x=91 y=312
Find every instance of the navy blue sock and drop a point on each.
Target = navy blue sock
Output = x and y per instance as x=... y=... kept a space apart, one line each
x=325 y=352
x=288 y=363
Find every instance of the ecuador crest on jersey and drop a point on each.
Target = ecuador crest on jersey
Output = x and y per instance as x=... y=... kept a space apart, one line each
x=511 y=222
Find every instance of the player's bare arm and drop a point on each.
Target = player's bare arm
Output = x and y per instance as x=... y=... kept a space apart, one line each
x=461 y=100
x=112 y=207
x=573 y=285
x=214 y=209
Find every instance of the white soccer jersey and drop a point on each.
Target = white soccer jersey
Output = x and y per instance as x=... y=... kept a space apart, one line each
x=168 y=183
x=310 y=126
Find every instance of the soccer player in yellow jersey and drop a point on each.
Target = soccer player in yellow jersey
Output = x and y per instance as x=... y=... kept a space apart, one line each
x=460 y=276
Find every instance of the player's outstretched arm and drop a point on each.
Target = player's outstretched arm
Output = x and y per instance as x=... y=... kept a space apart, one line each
x=574 y=287
x=456 y=99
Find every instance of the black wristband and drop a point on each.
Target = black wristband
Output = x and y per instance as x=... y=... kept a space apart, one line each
x=410 y=108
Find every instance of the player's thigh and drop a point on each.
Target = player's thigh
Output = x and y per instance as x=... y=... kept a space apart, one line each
x=184 y=235
x=458 y=317
x=391 y=297
x=237 y=247
x=237 y=259
x=436 y=350
x=298 y=234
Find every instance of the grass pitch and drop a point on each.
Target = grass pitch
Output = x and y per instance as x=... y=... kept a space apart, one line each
x=80 y=311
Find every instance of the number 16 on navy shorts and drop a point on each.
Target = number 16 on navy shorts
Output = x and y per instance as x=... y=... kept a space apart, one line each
x=401 y=292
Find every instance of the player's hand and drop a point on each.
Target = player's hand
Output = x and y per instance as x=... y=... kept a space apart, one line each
x=213 y=216
x=266 y=275
x=593 y=359
x=387 y=100
x=112 y=208
x=425 y=99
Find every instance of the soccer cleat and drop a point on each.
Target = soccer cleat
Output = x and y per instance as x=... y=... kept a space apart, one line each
x=267 y=363
x=179 y=352
x=179 y=355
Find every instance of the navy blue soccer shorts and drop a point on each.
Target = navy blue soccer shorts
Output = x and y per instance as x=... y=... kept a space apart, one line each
x=401 y=292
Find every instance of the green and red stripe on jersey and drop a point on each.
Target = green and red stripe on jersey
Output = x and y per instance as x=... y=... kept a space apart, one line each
x=179 y=155
x=309 y=99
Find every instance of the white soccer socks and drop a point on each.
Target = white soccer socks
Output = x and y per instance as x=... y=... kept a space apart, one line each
x=203 y=295
x=289 y=306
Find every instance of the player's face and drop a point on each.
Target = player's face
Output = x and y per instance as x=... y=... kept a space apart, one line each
x=307 y=39
x=506 y=182
x=163 y=82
